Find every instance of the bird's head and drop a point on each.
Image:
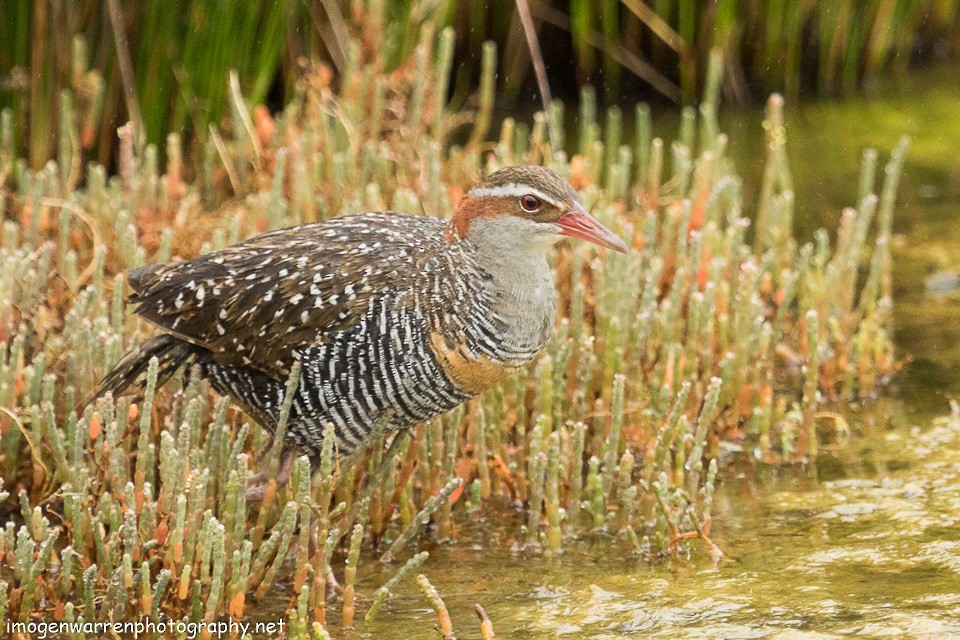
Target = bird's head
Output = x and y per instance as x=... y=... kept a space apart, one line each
x=528 y=206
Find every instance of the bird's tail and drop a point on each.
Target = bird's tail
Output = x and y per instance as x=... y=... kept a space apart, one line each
x=170 y=351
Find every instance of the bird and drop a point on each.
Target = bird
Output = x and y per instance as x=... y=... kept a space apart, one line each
x=390 y=316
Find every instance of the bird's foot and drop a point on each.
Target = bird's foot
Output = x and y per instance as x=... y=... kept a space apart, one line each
x=258 y=484
x=257 y=479
x=334 y=590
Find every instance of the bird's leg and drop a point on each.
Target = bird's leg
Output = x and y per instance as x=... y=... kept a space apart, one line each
x=255 y=493
x=264 y=450
x=334 y=589
x=261 y=476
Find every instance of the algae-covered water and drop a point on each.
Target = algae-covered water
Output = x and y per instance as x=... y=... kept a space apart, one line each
x=865 y=543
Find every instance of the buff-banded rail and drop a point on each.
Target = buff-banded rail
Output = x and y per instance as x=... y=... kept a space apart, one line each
x=391 y=316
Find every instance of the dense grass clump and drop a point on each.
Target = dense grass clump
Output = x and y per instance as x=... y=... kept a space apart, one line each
x=711 y=328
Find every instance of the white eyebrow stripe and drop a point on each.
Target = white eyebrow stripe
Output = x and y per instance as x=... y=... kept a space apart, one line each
x=513 y=190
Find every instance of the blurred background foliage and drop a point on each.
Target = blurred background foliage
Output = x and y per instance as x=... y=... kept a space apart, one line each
x=164 y=63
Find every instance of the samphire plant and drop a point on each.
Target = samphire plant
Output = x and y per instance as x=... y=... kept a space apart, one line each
x=716 y=326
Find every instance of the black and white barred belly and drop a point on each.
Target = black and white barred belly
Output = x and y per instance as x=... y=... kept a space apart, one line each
x=353 y=379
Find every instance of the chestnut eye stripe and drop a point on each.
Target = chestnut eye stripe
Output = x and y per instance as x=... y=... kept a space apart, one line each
x=515 y=191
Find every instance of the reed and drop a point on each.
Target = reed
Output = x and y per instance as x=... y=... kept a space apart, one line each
x=50 y=84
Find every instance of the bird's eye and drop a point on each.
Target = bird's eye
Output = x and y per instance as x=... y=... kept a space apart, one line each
x=530 y=203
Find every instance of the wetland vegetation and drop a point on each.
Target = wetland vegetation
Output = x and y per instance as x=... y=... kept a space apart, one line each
x=741 y=429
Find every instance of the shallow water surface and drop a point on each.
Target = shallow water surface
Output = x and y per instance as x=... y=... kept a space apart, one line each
x=875 y=555
x=865 y=543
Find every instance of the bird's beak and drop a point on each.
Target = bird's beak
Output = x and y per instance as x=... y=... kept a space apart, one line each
x=577 y=223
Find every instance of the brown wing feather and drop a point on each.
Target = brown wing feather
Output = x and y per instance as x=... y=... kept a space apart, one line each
x=254 y=303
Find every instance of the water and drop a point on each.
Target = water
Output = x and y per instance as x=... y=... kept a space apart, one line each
x=866 y=543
